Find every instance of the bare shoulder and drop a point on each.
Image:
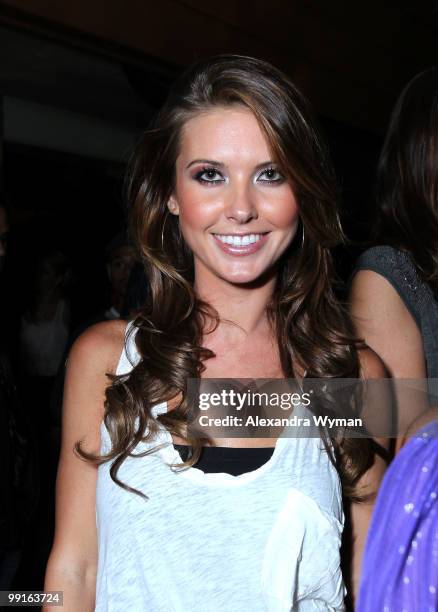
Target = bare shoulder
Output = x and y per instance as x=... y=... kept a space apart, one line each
x=371 y=364
x=384 y=321
x=94 y=355
x=371 y=292
x=99 y=347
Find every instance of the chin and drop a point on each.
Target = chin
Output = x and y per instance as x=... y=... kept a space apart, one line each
x=244 y=277
x=241 y=280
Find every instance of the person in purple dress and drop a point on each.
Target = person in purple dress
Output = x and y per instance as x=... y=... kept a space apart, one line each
x=400 y=564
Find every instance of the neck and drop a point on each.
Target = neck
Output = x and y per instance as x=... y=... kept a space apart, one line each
x=244 y=305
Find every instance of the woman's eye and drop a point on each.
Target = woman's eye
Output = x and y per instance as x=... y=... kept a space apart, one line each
x=270 y=175
x=209 y=175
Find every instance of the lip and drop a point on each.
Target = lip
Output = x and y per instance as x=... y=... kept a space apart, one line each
x=248 y=249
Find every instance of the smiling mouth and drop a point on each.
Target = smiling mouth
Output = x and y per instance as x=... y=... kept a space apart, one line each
x=239 y=240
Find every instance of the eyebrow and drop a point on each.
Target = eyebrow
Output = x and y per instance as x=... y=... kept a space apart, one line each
x=212 y=162
x=219 y=164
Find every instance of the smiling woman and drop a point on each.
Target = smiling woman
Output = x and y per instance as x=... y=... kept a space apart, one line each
x=237 y=206
x=233 y=210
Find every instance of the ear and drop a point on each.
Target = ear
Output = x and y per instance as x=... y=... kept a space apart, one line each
x=172 y=205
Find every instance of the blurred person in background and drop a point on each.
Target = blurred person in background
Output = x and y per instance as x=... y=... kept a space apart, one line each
x=124 y=292
x=44 y=333
x=19 y=470
x=45 y=323
x=6 y=305
x=119 y=262
x=43 y=337
x=394 y=293
x=395 y=305
x=120 y=259
x=136 y=293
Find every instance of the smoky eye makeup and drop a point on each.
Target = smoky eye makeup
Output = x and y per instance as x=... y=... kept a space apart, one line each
x=270 y=175
x=209 y=175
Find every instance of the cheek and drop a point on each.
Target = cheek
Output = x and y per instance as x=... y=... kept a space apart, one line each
x=197 y=208
x=282 y=210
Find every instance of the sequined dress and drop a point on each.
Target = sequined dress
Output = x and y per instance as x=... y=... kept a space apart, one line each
x=400 y=564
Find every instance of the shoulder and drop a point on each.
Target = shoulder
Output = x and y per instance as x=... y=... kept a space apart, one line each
x=371 y=365
x=376 y=270
x=92 y=360
x=373 y=292
x=394 y=265
x=389 y=325
x=385 y=282
x=382 y=257
x=99 y=346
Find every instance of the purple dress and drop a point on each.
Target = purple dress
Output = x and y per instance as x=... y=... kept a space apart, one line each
x=400 y=564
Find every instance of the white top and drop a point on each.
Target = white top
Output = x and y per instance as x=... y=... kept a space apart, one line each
x=264 y=541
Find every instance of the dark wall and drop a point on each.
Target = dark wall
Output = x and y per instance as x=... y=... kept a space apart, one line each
x=66 y=202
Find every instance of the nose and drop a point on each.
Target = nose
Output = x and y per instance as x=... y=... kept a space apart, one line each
x=241 y=205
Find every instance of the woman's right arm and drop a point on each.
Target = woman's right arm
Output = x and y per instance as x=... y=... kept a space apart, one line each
x=72 y=564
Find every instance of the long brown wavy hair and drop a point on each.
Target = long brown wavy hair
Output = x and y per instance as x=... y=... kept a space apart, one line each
x=312 y=328
x=407 y=177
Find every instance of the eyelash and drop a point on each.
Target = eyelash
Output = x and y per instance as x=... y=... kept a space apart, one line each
x=271 y=169
x=198 y=176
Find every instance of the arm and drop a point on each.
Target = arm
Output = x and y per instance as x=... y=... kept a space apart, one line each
x=359 y=513
x=425 y=419
x=72 y=563
x=383 y=321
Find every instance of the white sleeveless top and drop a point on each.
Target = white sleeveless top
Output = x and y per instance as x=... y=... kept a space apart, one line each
x=264 y=541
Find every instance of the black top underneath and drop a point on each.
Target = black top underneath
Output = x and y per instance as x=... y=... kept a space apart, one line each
x=234 y=461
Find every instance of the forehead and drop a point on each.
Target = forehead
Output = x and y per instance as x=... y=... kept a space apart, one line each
x=223 y=131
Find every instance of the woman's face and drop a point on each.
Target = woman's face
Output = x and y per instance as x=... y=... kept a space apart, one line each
x=237 y=212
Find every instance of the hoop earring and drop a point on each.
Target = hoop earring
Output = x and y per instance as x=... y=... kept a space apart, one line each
x=302 y=235
x=162 y=231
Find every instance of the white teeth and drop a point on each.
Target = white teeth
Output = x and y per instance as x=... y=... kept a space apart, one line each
x=239 y=240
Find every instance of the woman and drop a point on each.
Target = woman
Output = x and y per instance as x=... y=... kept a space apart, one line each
x=400 y=567
x=233 y=211
x=395 y=288
x=45 y=324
